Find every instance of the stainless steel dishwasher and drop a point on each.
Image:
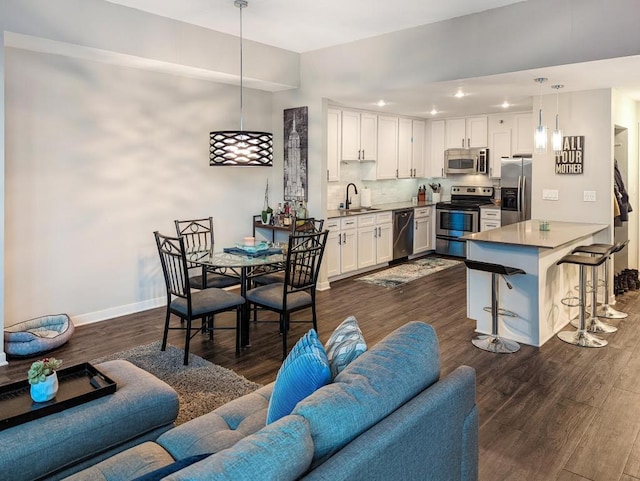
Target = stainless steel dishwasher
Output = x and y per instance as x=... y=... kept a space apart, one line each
x=402 y=233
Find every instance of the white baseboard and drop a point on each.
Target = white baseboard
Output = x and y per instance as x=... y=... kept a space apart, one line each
x=118 y=311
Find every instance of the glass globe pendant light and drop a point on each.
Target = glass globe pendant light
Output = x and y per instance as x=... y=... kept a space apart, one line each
x=540 y=134
x=556 y=137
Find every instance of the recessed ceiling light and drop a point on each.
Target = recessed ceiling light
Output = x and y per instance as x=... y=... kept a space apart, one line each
x=459 y=94
x=381 y=103
x=433 y=112
x=505 y=105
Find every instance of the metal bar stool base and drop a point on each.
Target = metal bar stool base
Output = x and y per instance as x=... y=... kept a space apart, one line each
x=496 y=344
x=595 y=325
x=581 y=338
x=609 y=312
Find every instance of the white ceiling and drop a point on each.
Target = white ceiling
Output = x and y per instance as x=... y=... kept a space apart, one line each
x=304 y=25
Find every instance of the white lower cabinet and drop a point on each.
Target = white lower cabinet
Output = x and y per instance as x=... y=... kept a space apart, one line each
x=490 y=218
x=342 y=247
x=375 y=239
x=422 y=230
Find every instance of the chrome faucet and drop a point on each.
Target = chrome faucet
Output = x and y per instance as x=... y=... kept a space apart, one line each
x=355 y=191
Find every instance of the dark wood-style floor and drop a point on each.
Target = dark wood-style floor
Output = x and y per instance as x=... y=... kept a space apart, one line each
x=553 y=413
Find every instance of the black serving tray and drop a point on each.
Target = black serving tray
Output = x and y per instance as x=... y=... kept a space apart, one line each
x=77 y=385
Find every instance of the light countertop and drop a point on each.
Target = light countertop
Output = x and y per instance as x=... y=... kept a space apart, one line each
x=378 y=208
x=528 y=233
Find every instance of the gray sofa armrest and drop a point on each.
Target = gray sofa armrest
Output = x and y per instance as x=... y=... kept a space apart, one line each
x=432 y=437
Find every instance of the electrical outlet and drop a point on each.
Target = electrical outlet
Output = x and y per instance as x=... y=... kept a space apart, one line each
x=589 y=195
x=549 y=194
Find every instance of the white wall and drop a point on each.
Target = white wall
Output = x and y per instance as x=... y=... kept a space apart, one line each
x=97 y=158
x=581 y=113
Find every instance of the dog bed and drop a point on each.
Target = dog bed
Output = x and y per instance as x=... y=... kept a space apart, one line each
x=39 y=335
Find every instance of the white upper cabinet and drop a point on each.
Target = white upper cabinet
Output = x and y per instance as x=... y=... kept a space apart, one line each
x=411 y=145
x=359 y=136
x=436 y=150
x=334 y=135
x=387 y=164
x=523 y=136
x=466 y=132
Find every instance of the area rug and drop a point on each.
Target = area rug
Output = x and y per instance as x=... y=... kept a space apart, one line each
x=201 y=386
x=409 y=271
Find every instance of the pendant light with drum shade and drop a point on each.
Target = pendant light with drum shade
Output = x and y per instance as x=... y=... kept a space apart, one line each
x=556 y=138
x=241 y=147
x=540 y=134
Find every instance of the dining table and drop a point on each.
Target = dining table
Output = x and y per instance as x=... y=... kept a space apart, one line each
x=244 y=265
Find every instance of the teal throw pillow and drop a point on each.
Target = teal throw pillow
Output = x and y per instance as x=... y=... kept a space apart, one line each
x=305 y=370
x=345 y=344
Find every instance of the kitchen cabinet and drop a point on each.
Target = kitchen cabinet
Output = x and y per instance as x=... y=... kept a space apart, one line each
x=342 y=247
x=523 y=135
x=423 y=230
x=490 y=218
x=466 y=132
x=387 y=163
x=411 y=148
x=500 y=141
x=334 y=135
x=436 y=149
x=359 y=136
x=375 y=239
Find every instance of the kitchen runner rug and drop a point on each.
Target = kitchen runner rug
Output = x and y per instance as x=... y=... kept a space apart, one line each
x=409 y=271
x=201 y=386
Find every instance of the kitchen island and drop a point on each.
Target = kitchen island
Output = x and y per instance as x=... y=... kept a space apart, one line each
x=536 y=296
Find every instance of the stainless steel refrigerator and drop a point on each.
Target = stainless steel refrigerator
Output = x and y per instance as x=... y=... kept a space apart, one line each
x=515 y=189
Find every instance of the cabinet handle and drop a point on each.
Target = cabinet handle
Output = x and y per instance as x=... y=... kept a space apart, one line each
x=375 y=232
x=362 y=154
x=463 y=143
x=416 y=225
x=345 y=237
x=379 y=231
x=397 y=174
x=468 y=142
x=339 y=239
x=359 y=154
x=442 y=171
x=327 y=174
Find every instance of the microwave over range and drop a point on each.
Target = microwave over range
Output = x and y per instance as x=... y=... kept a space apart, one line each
x=466 y=161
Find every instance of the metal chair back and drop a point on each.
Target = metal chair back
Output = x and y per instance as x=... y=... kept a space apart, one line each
x=304 y=257
x=197 y=235
x=174 y=266
x=308 y=225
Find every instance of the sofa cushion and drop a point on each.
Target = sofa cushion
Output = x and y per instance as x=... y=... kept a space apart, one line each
x=305 y=369
x=281 y=451
x=382 y=379
x=136 y=461
x=160 y=473
x=345 y=344
x=221 y=428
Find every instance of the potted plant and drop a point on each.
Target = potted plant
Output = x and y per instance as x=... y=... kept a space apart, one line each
x=43 y=379
x=266 y=209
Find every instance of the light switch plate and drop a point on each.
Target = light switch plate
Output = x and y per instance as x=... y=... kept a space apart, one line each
x=549 y=194
x=589 y=195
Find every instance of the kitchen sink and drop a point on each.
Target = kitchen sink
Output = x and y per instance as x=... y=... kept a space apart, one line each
x=357 y=210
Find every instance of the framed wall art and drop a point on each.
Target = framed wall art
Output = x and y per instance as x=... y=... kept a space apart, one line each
x=296 y=137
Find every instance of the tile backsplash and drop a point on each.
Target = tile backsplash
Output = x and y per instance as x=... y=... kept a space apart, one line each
x=391 y=191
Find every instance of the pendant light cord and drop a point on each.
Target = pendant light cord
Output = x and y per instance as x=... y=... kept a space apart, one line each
x=241 y=6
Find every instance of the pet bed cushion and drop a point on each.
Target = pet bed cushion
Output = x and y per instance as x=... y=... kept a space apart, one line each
x=39 y=335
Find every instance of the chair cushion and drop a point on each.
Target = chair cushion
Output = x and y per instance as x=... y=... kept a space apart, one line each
x=345 y=344
x=305 y=369
x=214 y=280
x=382 y=379
x=264 y=279
x=207 y=300
x=271 y=296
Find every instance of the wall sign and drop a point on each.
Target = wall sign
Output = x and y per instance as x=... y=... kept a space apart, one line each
x=295 y=154
x=571 y=160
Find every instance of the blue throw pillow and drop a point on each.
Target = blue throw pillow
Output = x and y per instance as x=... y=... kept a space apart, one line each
x=165 y=471
x=345 y=344
x=305 y=370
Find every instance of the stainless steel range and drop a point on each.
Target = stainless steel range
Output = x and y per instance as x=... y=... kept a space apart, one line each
x=459 y=217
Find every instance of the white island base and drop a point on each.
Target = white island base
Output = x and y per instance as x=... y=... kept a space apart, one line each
x=536 y=296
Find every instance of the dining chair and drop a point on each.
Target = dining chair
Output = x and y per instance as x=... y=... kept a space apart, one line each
x=188 y=305
x=301 y=226
x=198 y=235
x=298 y=290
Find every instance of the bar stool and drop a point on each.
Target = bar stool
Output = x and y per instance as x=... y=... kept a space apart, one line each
x=581 y=337
x=493 y=342
x=593 y=323
x=605 y=309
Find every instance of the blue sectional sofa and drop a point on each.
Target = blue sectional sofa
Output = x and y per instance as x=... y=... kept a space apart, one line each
x=386 y=416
